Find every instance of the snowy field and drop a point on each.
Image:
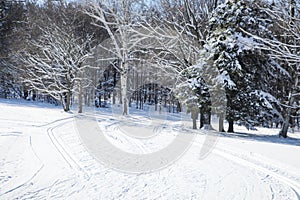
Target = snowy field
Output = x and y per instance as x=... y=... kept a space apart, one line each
x=42 y=156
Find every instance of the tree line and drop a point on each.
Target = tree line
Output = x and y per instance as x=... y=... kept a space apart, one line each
x=238 y=59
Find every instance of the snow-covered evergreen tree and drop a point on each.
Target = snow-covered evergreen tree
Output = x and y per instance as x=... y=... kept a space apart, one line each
x=243 y=70
x=195 y=95
x=12 y=17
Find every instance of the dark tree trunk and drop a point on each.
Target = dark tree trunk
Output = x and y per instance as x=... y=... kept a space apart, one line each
x=194 y=116
x=80 y=96
x=201 y=119
x=130 y=101
x=68 y=101
x=194 y=123
x=137 y=99
x=114 y=97
x=208 y=118
x=285 y=127
x=205 y=121
x=33 y=95
x=230 y=128
x=221 y=122
x=178 y=106
x=284 y=131
x=140 y=99
x=114 y=93
x=100 y=103
x=155 y=101
x=25 y=94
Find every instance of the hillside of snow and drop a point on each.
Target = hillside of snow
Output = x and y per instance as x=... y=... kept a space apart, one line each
x=43 y=156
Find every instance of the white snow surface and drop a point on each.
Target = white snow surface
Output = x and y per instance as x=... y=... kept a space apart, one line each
x=43 y=157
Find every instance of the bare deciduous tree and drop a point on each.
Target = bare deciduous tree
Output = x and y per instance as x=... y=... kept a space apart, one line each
x=55 y=62
x=121 y=48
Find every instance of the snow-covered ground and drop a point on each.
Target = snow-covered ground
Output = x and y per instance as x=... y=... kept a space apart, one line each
x=42 y=156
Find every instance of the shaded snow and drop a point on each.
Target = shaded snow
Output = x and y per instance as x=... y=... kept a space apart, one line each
x=42 y=157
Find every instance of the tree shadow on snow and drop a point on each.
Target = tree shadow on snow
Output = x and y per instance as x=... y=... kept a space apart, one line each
x=264 y=138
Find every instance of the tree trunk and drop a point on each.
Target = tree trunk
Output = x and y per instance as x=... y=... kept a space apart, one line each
x=221 y=123
x=137 y=99
x=140 y=99
x=178 y=106
x=194 y=123
x=114 y=97
x=284 y=129
x=285 y=126
x=230 y=128
x=88 y=98
x=80 y=96
x=34 y=95
x=124 y=89
x=205 y=119
x=64 y=101
x=25 y=91
x=286 y=122
x=194 y=115
x=155 y=101
x=68 y=101
x=201 y=119
x=115 y=87
x=100 y=101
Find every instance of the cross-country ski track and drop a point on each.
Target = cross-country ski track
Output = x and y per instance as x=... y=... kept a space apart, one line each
x=44 y=158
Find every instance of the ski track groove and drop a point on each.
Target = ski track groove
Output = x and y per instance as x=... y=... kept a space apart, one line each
x=25 y=183
x=62 y=150
x=74 y=164
x=52 y=138
x=71 y=162
x=133 y=141
x=294 y=186
x=156 y=129
x=117 y=127
x=59 y=147
x=272 y=192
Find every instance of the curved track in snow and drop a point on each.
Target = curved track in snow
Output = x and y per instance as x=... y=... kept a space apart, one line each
x=276 y=186
x=63 y=168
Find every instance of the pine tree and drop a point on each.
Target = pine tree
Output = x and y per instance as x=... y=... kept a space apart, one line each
x=12 y=16
x=194 y=93
x=244 y=70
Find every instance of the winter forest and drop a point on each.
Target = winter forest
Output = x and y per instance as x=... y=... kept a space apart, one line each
x=135 y=52
x=217 y=82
